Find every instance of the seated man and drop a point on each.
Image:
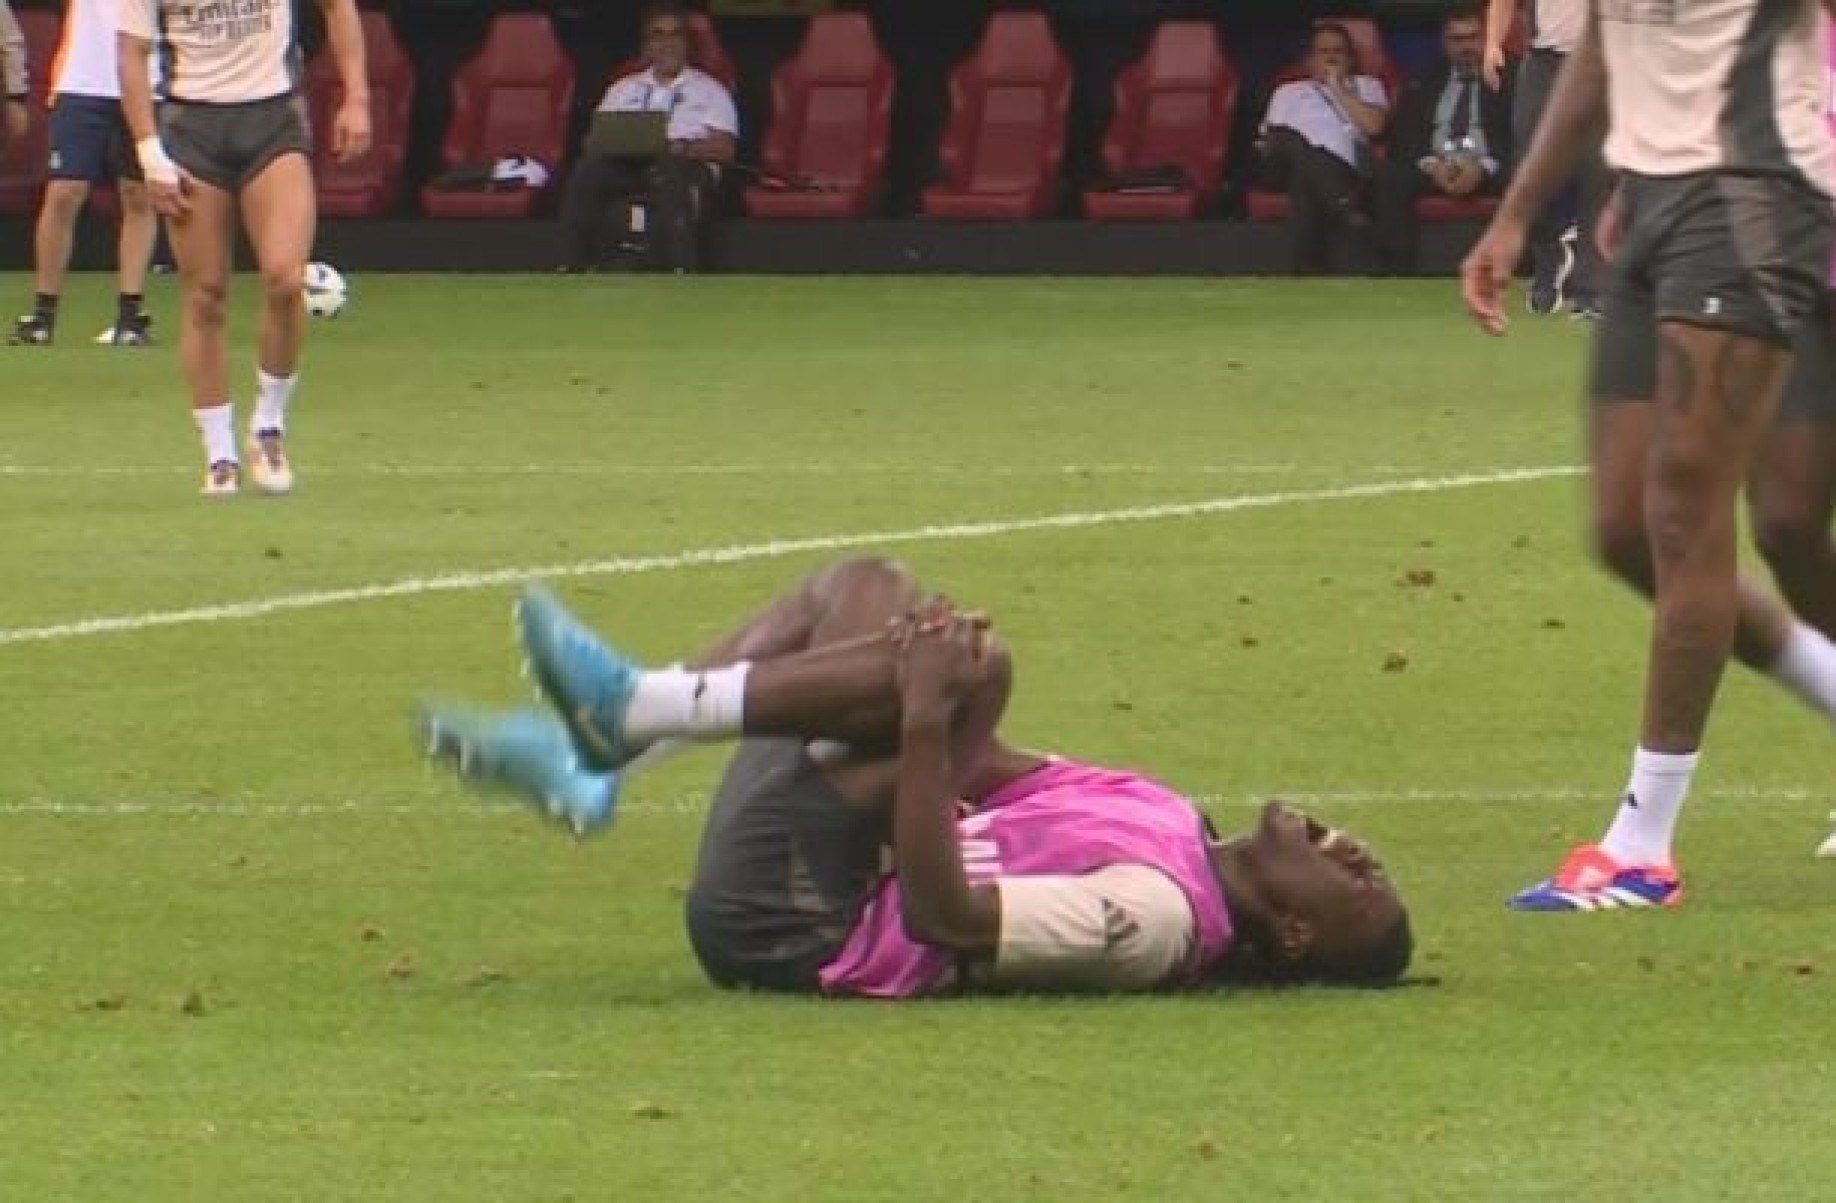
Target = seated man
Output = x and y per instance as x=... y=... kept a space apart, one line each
x=703 y=130
x=1316 y=144
x=1451 y=136
x=866 y=717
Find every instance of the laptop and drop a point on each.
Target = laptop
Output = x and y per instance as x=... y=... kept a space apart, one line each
x=629 y=135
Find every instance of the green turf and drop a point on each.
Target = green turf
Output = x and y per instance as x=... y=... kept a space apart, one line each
x=250 y=949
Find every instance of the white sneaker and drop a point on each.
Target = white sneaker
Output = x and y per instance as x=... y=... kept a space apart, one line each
x=268 y=462
x=222 y=479
x=1827 y=849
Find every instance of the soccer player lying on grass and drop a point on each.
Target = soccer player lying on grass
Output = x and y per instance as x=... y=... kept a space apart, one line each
x=866 y=719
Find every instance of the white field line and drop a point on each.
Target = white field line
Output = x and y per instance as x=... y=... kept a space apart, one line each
x=740 y=469
x=746 y=552
x=692 y=804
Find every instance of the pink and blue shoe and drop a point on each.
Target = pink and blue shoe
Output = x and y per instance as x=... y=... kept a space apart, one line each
x=1591 y=880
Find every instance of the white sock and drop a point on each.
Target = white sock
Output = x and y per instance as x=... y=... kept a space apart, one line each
x=688 y=704
x=217 y=424
x=272 y=393
x=1807 y=666
x=1642 y=831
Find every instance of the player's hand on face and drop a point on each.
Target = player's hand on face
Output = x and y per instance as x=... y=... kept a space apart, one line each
x=351 y=131
x=939 y=663
x=1485 y=276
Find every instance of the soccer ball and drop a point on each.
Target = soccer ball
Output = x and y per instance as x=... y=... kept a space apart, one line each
x=325 y=290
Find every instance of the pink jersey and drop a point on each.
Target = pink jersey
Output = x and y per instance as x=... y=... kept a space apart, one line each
x=1064 y=818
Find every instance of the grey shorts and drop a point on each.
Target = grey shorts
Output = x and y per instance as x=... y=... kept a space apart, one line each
x=784 y=868
x=227 y=145
x=1745 y=253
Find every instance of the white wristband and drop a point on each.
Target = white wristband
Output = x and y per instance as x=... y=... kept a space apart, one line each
x=155 y=163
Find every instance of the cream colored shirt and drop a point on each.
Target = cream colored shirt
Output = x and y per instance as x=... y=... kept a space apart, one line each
x=1557 y=24
x=218 y=51
x=12 y=54
x=1716 y=85
x=1119 y=928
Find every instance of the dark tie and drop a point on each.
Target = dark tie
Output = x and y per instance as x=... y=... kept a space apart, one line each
x=1462 y=123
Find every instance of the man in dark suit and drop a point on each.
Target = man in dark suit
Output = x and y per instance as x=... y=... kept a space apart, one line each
x=1451 y=136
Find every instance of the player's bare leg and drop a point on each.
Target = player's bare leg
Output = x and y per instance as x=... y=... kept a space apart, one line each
x=280 y=213
x=52 y=238
x=133 y=258
x=201 y=244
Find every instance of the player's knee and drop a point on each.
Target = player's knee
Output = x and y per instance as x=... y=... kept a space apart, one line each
x=1788 y=536
x=859 y=574
x=64 y=200
x=1622 y=547
x=281 y=281
x=207 y=303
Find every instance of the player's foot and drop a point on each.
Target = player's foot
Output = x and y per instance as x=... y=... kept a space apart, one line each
x=526 y=753
x=1584 y=309
x=1827 y=849
x=589 y=683
x=222 y=479
x=136 y=331
x=268 y=462
x=1590 y=880
x=32 y=330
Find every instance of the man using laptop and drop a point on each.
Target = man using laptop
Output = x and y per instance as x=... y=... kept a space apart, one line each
x=663 y=133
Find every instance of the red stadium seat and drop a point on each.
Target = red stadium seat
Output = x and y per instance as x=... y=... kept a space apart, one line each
x=22 y=167
x=1437 y=209
x=1006 y=136
x=831 y=120
x=1173 y=108
x=369 y=187
x=512 y=98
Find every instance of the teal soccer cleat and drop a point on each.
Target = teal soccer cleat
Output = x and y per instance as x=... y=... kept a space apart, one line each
x=526 y=753
x=588 y=683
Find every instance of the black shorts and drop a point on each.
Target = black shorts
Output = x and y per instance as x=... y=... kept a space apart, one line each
x=89 y=140
x=1746 y=253
x=227 y=145
x=784 y=868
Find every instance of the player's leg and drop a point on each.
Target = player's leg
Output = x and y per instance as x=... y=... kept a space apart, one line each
x=133 y=258
x=76 y=164
x=1535 y=81
x=280 y=213
x=1792 y=493
x=201 y=246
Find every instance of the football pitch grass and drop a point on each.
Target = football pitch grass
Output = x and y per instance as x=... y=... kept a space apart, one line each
x=1319 y=541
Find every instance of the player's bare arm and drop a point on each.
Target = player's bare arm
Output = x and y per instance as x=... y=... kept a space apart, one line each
x=939 y=666
x=344 y=34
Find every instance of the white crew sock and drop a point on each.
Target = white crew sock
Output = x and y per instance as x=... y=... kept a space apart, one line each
x=272 y=394
x=217 y=425
x=682 y=702
x=1643 y=829
x=1807 y=666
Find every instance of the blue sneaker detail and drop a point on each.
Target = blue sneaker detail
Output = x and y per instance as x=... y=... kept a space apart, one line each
x=589 y=683
x=526 y=753
x=1590 y=880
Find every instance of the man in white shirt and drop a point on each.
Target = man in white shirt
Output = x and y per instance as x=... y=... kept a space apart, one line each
x=703 y=130
x=90 y=145
x=1316 y=144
